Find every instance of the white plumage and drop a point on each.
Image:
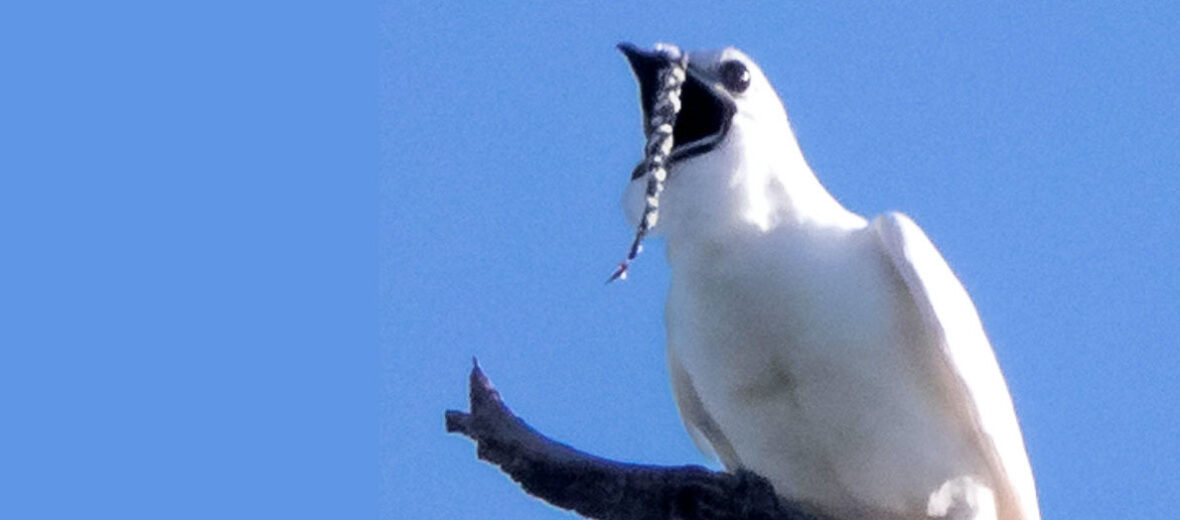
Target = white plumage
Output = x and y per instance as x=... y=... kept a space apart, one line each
x=840 y=358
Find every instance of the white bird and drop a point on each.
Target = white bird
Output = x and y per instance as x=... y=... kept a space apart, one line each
x=838 y=357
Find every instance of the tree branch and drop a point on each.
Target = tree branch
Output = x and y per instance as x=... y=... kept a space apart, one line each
x=599 y=488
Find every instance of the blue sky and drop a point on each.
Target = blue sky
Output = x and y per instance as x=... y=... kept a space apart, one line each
x=188 y=239
x=1038 y=146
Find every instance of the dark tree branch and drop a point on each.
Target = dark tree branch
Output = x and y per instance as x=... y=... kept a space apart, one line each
x=599 y=488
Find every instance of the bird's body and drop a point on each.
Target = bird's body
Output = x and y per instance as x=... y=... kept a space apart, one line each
x=837 y=357
x=826 y=396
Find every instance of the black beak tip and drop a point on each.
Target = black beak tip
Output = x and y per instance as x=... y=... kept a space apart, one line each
x=641 y=60
x=645 y=66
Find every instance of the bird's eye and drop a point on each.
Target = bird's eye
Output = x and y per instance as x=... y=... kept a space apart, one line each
x=735 y=76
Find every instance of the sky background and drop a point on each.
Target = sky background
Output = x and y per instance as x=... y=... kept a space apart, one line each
x=1039 y=147
x=188 y=243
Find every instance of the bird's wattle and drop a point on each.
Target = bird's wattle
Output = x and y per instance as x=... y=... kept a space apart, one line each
x=705 y=114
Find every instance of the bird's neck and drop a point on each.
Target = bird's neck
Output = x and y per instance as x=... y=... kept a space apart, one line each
x=751 y=185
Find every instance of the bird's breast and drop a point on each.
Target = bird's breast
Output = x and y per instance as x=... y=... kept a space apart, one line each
x=800 y=345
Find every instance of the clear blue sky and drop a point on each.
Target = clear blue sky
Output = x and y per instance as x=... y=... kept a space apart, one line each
x=188 y=253
x=1038 y=146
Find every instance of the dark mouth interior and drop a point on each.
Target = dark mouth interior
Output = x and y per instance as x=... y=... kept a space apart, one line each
x=702 y=122
x=704 y=116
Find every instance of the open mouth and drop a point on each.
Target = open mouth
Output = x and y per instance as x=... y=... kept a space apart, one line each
x=704 y=115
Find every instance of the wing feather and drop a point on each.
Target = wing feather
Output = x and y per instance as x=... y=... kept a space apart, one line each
x=972 y=376
x=705 y=432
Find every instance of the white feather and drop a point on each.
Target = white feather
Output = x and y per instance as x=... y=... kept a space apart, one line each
x=973 y=375
x=839 y=359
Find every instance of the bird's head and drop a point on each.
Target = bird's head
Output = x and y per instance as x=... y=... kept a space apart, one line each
x=733 y=150
x=721 y=88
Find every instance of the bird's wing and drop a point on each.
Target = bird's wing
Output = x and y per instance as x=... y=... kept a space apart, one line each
x=705 y=432
x=969 y=374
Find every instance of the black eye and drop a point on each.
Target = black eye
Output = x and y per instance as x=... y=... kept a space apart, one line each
x=735 y=76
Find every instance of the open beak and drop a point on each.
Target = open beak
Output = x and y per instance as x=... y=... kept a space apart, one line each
x=705 y=112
